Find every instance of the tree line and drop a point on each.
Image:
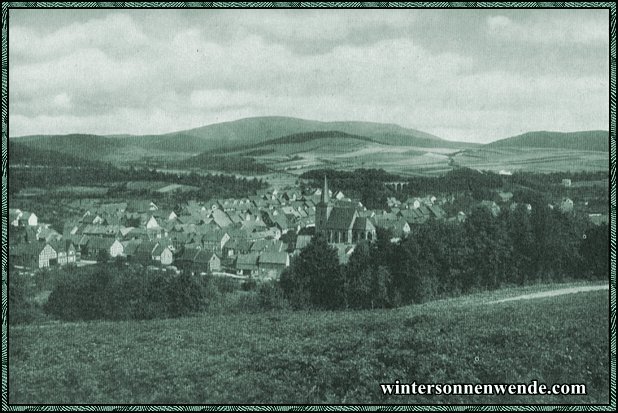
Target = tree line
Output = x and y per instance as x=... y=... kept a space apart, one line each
x=442 y=259
x=367 y=185
x=210 y=185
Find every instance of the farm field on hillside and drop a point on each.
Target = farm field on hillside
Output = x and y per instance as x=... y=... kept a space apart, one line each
x=321 y=357
x=532 y=159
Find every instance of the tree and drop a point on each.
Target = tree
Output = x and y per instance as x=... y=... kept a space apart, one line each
x=594 y=251
x=521 y=234
x=315 y=277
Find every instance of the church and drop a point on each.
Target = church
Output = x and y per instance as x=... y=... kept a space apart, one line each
x=341 y=224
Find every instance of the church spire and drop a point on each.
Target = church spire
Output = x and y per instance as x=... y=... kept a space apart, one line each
x=325 y=197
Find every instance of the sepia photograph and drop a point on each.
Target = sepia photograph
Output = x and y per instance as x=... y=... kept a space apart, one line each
x=308 y=208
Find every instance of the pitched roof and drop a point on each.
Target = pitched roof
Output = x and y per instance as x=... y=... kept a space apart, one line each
x=247 y=261
x=278 y=258
x=213 y=236
x=203 y=256
x=130 y=247
x=159 y=248
x=268 y=245
x=437 y=211
x=341 y=218
x=363 y=224
x=100 y=242
x=28 y=249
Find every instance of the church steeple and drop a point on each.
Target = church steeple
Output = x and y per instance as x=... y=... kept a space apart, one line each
x=325 y=197
x=323 y=210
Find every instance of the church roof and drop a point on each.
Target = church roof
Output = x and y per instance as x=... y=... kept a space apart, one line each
x=341 y=219
x=363 y=224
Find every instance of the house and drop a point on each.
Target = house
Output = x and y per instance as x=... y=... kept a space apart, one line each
x=34 y=255
x=47 y=234
x=236 y=246
x=99 y=245
x=14 y=215
x=413 y=203
x=163 y=254
x=117 y=208
x=262 y=245
x=272 y=264
x=18 y=217
x=165 y=215
x=199 y=261
x=247 y=264
x=599 y=219
x=301 y=242
x=436 y=212
x=141 y=206
x=491 y=206
x=220 y=218
x=392 y=202
x=459 y=218
x=566 y=183
x=413 y=216
x=504 y=196
x=66 y=252
x=130 y=247
x=399 y=227
x=215 y=240
x=160 y=251
x=566 y=205
x=152 y=223
x=514 y=206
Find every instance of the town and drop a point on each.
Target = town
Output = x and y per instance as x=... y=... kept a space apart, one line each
x=250 y=237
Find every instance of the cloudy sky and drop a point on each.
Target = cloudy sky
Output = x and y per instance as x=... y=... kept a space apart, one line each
x=474 y=75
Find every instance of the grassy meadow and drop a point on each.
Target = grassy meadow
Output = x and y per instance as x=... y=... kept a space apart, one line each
x=320 y=357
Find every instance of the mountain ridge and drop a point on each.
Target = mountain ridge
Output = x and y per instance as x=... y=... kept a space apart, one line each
x=592 y=140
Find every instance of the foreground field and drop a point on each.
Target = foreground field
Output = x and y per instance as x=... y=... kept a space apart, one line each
x=322 y=357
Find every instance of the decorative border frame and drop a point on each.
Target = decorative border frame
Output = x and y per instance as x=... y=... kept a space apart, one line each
x=173 y=5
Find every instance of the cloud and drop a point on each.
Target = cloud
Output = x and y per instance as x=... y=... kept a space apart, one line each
x=82 y=78
x=561 y=29
x=497 y=23
x=116 y=33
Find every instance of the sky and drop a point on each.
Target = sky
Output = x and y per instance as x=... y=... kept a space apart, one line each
x=468 y=75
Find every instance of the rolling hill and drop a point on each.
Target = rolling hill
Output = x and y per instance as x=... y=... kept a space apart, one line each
x=254 y=131
x=297 y=145
x=297 y=142
x=584 y=141
x=320 y=357
x=22 y=154
x=249 y=137
x=541 y=152
x=94 y=147
x=78 y=145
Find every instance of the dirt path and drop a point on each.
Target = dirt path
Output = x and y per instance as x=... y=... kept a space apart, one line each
x=552 y=293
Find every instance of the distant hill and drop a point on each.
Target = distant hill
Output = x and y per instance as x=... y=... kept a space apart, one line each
x=230 y=137
x=294 y=142
x=252 y=131
x=584 y=141
x=76 y=145
x=97 y=147
x=21 y=154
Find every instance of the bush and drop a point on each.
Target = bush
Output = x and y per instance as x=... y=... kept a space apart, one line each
x=98 y=292
x=271 y=296
x=21 y=305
